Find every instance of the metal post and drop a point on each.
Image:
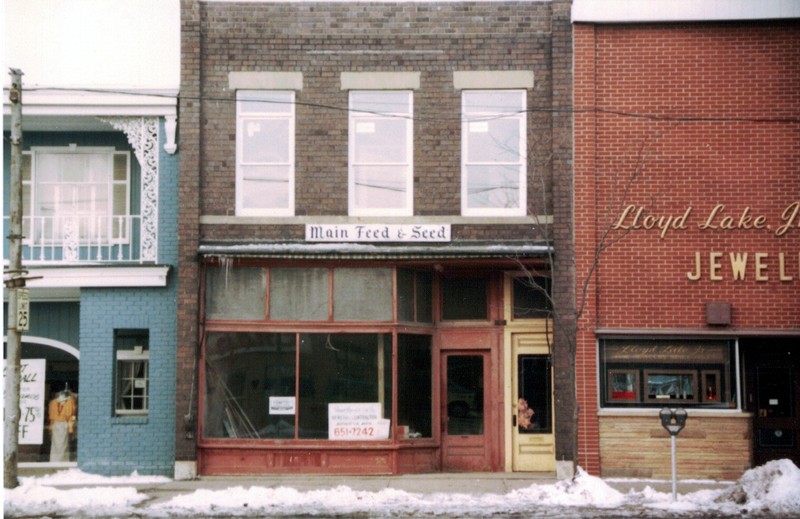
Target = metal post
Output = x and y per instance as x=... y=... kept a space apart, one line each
x=673 y=420
x=674 y=470
x=14 y=279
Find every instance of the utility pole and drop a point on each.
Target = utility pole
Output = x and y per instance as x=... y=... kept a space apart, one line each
x=14 y=280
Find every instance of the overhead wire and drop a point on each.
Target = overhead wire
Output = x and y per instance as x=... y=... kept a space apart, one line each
x=749 y=118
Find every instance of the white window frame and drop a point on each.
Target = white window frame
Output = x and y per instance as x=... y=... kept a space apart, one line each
x=475 y=120
x=358 y=121
x=242 y=179
x=126 y=358
x=116 y=233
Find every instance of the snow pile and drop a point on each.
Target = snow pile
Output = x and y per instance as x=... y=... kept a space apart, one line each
x=77 y=477
x=38 y=495
x=582 y=491
x=773 y=487
x=770 y=490
x=34 y=500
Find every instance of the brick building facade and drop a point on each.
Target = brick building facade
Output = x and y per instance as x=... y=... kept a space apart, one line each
x=686 y=171
x=372 y=296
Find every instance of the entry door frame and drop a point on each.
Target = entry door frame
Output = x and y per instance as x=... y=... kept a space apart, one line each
x=474 y=341
x=534 y=452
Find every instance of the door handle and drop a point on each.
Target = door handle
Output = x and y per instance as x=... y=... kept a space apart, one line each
x=513 y=420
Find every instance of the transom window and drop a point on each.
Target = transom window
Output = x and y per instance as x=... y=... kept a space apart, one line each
x=381 y=153
x=317 y=294
x=76 y=195
x=265 y=153
x=493 y=155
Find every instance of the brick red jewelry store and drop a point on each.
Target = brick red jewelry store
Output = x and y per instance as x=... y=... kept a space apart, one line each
x=687 y=177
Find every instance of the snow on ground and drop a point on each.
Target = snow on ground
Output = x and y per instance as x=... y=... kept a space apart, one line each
x=770 y=490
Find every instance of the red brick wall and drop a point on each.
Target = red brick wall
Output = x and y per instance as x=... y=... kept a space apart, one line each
x=688 y=117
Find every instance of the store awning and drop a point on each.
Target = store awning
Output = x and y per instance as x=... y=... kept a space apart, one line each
x=511 y=250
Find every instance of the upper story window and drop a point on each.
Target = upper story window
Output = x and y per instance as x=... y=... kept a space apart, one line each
x=75 y=195
x=265 y=123
x=493 y=154
x=381 y=153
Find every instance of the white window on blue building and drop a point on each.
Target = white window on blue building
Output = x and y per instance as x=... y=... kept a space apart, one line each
x=74 y=196
x=132 y=372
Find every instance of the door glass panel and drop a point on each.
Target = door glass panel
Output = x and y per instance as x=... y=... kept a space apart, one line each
x=534 y=413
x=414 y=386
x=464 y=395
x=775 y=392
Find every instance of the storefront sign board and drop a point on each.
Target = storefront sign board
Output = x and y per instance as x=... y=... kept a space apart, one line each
x=378 y=233
x=357 y=421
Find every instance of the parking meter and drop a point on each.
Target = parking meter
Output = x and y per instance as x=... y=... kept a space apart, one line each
x=673 y=420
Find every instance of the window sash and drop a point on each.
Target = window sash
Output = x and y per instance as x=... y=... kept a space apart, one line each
x=265 y=149
x=133 y=381
x=76 y=195
x=494 y=153
x=380 y=180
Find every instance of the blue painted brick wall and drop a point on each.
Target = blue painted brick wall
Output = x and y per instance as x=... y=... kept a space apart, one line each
x=119 y=445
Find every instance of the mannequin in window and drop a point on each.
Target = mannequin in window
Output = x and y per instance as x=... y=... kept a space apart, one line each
x=62 y=412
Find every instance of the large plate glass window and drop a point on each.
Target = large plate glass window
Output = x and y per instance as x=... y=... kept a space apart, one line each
x=265 y=123
x=257 y=385
x=381 y=153
x=494 y=154
x=659 y=372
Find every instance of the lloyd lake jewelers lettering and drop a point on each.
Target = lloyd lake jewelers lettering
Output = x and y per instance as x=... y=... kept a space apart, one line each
x=634 y=218
x=735 y=265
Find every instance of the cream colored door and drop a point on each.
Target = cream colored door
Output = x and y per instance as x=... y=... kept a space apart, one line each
x=532 y=435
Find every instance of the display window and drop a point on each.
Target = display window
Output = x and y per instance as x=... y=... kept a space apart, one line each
x=317 y=354
x=287 y=385
x=658 y=372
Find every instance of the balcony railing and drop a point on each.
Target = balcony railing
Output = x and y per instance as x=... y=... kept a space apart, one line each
x=84 y=239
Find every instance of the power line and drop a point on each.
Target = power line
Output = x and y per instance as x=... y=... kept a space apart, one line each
x=790 y=119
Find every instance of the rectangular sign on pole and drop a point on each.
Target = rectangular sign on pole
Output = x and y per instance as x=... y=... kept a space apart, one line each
x=23 y=309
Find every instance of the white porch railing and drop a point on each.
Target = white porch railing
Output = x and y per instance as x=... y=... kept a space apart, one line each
x=82 y=239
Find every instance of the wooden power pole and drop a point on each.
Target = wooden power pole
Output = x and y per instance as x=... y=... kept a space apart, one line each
x=14 y=280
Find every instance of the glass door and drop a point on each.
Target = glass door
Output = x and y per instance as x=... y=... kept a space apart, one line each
x=533 y=441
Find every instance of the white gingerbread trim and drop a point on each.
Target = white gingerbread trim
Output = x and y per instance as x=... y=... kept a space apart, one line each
x=142 y=134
